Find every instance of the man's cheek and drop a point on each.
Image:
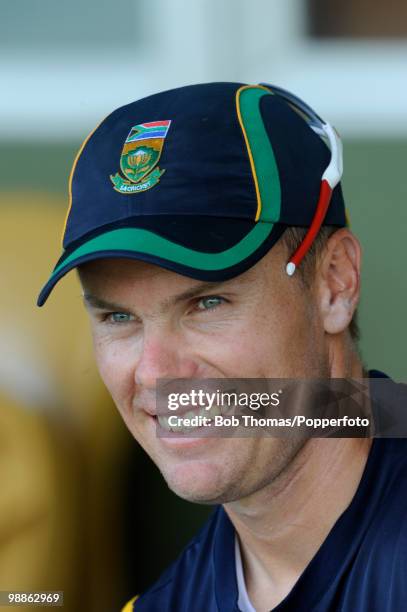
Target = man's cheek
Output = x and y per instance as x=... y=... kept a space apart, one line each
x=114 y=370
x=103 y=362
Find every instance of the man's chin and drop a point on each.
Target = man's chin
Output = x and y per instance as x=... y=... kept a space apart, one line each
x=198 y=482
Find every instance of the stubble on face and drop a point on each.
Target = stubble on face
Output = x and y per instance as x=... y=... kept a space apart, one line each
x=267 y=328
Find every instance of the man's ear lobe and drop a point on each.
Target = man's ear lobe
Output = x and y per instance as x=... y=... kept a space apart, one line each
x=339 y=280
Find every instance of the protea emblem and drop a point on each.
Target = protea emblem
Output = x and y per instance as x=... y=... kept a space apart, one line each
x=139 y=158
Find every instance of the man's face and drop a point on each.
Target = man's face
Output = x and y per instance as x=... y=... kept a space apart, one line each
x=149 y=323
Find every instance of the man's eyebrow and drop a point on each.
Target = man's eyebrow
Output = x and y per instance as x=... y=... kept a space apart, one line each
x=97 y=302
x=194 y=291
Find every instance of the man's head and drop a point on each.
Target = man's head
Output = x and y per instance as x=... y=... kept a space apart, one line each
x=150 y=323
x=178 y=225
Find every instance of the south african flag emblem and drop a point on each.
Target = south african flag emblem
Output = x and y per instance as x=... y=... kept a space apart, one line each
x=139 y=158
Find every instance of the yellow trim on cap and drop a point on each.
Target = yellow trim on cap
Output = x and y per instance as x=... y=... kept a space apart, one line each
x=71 y=177
x=249 y=151
x=129 y=605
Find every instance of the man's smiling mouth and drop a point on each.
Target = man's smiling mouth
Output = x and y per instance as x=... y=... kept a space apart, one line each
x=189 y=421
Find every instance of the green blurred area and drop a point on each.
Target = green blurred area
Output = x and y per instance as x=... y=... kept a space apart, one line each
x=375 y=187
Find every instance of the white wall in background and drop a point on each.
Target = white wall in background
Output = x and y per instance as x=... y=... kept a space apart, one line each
x=61 y=91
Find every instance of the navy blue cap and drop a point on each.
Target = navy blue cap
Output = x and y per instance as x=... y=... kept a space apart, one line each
x=202 y=180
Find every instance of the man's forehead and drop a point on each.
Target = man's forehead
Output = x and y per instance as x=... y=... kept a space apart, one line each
x=116 y=280
x=117 y=268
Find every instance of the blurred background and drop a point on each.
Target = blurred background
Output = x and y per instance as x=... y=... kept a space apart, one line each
x=81 y=507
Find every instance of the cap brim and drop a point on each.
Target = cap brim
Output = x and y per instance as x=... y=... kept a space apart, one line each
x=146 y=245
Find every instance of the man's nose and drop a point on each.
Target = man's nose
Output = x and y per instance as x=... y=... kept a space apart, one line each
x=163 y=355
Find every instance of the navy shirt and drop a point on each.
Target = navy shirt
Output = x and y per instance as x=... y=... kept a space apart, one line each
x=361 y=565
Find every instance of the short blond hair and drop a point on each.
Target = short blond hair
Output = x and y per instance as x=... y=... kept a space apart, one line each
x=292 y=238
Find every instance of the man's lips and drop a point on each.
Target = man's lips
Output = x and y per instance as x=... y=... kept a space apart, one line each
x=162 y=410
x=191 y=422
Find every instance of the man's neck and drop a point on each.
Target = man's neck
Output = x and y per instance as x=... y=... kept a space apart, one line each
x=282 y=526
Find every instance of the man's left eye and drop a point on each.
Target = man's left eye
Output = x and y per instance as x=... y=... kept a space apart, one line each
x=210 y=302
x=119 y=317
